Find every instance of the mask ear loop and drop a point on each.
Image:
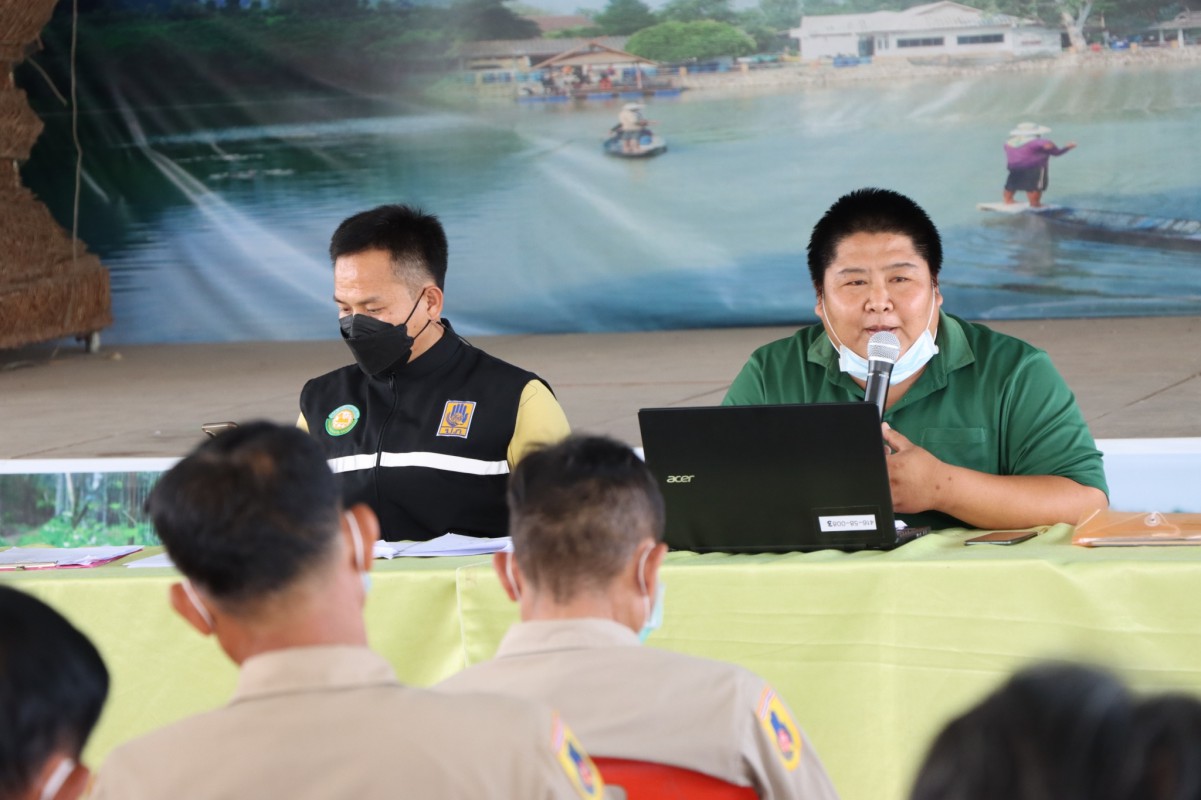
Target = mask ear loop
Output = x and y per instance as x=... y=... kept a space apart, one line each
x=509 y=573
x=933 y=296
x=57 y=778
x=831 y=336
x=646 y=595
x=356 y=536
x=194 y=598
x=360 y=554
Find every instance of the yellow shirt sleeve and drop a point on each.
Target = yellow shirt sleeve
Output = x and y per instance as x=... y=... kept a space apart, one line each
x=540 y=420
x=302 y=423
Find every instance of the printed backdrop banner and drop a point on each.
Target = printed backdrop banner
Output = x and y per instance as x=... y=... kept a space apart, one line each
x=221 y=147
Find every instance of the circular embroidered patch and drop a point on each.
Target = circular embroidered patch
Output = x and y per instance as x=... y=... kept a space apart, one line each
x=342 y=420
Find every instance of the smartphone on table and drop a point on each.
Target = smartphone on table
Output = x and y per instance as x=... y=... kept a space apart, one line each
x=213 y=429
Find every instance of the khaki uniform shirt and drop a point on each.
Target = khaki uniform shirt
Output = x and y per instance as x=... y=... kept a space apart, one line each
x=333 y=722
x=628 y=701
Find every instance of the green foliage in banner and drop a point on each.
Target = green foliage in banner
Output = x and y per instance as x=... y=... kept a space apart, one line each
x=476 y=20
x=696 y=10
x=624 y=17
x=75 y=510
x=683 y=41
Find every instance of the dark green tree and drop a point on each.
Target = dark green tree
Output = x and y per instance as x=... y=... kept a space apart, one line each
x=623 y=17
x=754 y=24
x=475 y=20
x=313 y=8
x=695 y=10
x=682 y=41
x=780 y=15
x=1074 y=15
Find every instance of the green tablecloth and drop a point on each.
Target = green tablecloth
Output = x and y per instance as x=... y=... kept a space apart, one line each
x=873 y=651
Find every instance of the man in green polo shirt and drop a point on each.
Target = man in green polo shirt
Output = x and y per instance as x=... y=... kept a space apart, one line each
x=982 y=430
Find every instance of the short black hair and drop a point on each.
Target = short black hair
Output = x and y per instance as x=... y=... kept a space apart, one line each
x=249 y=511
x=872 y=211
x=1053 y=731
x=1167 y=739
x=577 y=511
x=52 y=687
x=414 y=239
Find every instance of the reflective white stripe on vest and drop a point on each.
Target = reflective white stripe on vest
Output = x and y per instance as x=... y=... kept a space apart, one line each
x=351 y=463
x=469 y=466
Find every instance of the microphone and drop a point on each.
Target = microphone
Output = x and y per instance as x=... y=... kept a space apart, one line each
x=883 y=350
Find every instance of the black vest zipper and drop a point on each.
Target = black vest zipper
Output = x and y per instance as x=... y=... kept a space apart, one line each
x=379 y=442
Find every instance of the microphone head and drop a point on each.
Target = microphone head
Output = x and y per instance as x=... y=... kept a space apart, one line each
x=884 y=346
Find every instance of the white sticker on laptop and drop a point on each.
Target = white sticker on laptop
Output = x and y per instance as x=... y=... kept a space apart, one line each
x=841 y=523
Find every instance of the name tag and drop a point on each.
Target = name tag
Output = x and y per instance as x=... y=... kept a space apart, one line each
x=847 y=522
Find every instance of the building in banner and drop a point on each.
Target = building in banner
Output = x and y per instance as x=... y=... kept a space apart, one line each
x=523 y=54
x=944 y=29
x=1186 y=22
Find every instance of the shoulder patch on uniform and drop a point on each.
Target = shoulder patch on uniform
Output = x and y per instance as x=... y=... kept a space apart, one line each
x=575 y=761
x=780 y=729
x=456 y=418
x=342 y=420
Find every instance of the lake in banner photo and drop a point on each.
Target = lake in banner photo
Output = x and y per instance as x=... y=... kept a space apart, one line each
x=220 y=232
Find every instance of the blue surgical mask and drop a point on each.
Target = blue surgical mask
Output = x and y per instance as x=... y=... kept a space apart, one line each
x=653 y=618
x=654 y=612
x=912 y=360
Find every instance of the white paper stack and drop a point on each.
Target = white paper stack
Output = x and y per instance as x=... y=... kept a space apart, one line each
x=52 y=557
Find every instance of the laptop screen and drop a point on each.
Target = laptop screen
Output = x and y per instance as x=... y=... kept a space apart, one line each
x=771 y=478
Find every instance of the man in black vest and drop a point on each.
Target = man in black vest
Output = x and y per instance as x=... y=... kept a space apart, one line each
x=426 y=427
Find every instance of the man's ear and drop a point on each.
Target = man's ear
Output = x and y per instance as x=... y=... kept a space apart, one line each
x=365 y=528
x=184 y=607
x=72 y=787
x=433 y=302
x=76 y=785
x=502 y=563
x=653 y=562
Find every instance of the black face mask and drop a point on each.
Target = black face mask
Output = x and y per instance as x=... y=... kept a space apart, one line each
x=379 y=347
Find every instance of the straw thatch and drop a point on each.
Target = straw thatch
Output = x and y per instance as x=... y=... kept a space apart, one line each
x=19 y=126
x=50 y=286
x=20 y=23
x=45 y=291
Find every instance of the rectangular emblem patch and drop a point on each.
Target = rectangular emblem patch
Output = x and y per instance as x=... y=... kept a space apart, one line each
x=456 y=418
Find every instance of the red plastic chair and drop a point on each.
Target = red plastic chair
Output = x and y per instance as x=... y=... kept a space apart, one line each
x=645 y=780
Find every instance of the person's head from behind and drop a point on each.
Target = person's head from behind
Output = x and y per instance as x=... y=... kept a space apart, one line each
x=52 y=686
x=1051 y=732
x=253 y=520
x=874 y=259
x=587 y=521
x=390 y=264
x=1167 y=743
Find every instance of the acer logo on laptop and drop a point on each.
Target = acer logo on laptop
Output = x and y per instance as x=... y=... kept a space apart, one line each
x=680 y=478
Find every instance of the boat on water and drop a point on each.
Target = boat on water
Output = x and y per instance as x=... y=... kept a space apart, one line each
x=648 y=146
x=1115 y=225
x=529 y=95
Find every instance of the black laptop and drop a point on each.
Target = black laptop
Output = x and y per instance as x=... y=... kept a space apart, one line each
x=772 y=478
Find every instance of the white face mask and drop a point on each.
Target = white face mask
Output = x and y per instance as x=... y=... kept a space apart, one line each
x=194 y=599
x=57 y=778
x=509 y=571
x=360 y=558
x=653 y=618
x=912 y=360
